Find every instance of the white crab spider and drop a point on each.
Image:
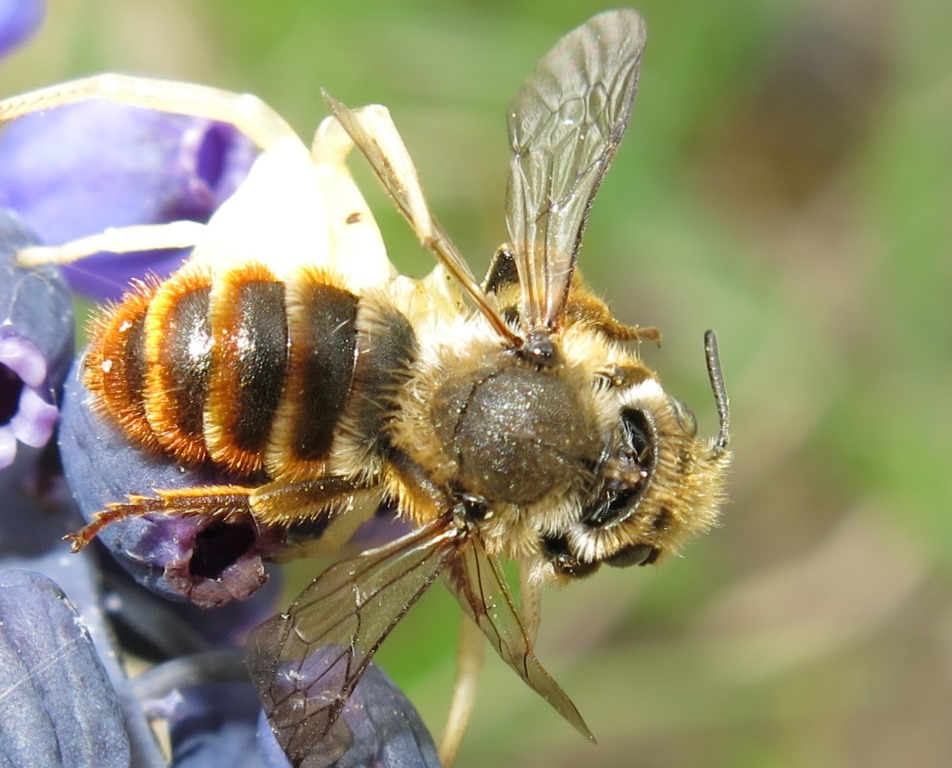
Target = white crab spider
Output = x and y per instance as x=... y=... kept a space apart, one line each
x=296 y=207
x=299 y=206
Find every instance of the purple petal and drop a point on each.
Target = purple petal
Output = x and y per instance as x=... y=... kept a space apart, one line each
x=36 y=343
x=34 y=420
x=35 y=514
x=77 y=170
x=19 y=19
x=8 y=446
x=154 y=627
x=57 y=707
x=216 y=725
x=387 y=729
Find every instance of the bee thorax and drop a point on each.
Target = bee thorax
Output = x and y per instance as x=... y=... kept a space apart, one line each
x=516 y=433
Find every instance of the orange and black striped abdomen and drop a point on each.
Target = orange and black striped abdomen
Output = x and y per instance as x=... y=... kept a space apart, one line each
x=246 y=370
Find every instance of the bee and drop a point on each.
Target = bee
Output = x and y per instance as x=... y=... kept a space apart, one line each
x=511 y=419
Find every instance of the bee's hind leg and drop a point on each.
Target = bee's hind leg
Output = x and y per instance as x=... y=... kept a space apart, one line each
x=225 y=503
x=326 y=511
x=278 y=504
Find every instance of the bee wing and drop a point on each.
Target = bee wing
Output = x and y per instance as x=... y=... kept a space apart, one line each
x=373 y=132
x=481 y=588
x=306 y=663
x=565 y=124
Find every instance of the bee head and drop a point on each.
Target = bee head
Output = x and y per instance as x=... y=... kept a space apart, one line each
x=655 y=485
x=564 y=467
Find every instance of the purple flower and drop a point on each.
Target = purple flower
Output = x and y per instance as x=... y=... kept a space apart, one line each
x=65 y=692
x=47 y=630
x=183 y=558
x=58 y=706
x=68 y=173
x=65 y=697
x=217 y=722
x=79 y=169
x=36 y=343
x=19 y=19
x=378 y=725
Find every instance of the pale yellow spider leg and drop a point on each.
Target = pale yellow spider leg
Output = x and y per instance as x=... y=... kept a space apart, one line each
x=357 y=250
x=246 y=112
x=132 y=239
x=530 y=599
x=372 y=130
x=469 y=663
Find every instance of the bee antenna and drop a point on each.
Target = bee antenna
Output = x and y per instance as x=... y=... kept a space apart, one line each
x=720 y=391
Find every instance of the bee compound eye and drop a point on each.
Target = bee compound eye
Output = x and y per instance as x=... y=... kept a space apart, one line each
x=639 y=436
x=614 y=509
x=636 y=554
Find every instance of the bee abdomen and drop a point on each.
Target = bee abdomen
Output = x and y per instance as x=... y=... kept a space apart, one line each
x=247 y=370
x=178 y=364
x=249 y=366
x=114 y=366
x=323 y=324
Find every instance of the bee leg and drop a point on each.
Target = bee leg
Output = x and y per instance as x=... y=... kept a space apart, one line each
x=247 y=113
x=276 y=504
x=469 y=663
x=337 y=505
x=618 y=331
x=225 y=503
x=413 y=485
x=621 y=332
x=585 y=308
x=285 y=502
x=132 y=239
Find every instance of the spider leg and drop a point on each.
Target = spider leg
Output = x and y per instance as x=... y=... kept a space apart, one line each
x=246 y=112
x=470 y=656
x=131 y=239
x=530 y=597
x=315 y=212
x=372 y=130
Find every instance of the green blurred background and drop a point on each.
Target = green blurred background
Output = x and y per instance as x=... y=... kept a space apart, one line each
x=786 y=180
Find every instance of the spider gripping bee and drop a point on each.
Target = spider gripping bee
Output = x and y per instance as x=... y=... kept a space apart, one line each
x=288 y=353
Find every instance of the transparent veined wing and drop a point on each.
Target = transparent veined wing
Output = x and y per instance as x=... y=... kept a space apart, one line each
x=306 y=663
x=480 y=586
x=565 y=123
